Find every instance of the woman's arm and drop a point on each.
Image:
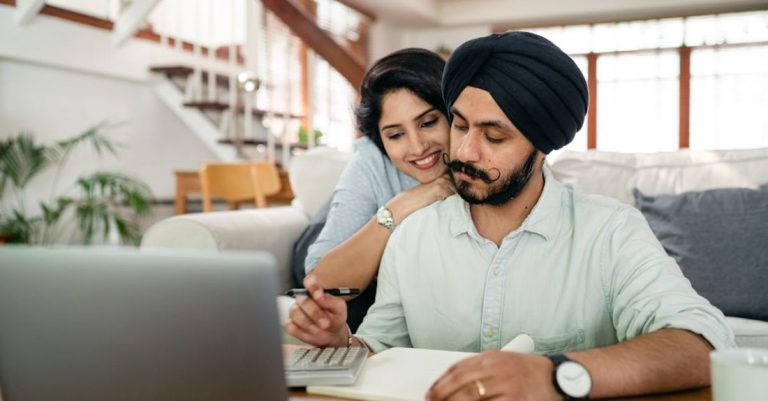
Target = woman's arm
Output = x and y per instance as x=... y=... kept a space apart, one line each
x=354 y=262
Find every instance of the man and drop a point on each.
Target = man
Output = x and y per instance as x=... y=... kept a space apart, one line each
x=517 y=252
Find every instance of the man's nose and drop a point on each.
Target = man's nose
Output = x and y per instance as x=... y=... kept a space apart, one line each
x=468 y=149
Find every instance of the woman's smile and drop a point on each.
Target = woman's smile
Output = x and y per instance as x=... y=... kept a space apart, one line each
x=428 y=161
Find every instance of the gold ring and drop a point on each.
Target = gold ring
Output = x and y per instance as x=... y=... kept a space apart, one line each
x=480 y=389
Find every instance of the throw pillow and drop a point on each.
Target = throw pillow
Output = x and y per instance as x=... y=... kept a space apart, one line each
x=719 y=238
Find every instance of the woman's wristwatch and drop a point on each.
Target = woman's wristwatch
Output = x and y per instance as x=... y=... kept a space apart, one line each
x=384 y=218
x=570 y=378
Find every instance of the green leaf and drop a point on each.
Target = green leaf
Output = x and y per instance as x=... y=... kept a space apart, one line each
x=21 y=159
x=100 y=198
x=95 y=135
x=19 y=228
x=52 y=214
x=103 y=194
x=128 y=231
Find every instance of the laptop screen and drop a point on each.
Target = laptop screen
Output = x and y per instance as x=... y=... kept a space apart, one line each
x=85 y=324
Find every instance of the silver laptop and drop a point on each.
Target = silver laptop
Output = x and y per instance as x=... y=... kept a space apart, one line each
x=84 y=325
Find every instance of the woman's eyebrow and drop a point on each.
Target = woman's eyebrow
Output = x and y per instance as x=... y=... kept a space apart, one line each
x=422 y=114
x=384 y=128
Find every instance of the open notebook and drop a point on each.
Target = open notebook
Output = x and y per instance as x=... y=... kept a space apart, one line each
x=397 y=374
x=405 y=374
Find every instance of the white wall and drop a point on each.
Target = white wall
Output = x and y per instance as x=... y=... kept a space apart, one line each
x=386 y=38
x=58 y=78
x=450 y=37
x=525 y=12
x=54 y=104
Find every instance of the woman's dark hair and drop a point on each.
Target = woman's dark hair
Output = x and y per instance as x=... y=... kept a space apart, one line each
x=417 y=70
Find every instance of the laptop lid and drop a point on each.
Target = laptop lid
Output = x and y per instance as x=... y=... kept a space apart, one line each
x=79 y=324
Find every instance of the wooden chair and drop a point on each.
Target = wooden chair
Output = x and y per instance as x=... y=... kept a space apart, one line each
x=238 y=182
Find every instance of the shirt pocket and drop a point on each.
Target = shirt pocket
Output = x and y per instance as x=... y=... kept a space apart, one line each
x=569 y=341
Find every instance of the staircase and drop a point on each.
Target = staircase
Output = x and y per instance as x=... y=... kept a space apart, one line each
x=172 y=82
x=199 y=85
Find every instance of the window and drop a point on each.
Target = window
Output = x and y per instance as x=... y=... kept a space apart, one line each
x=639 y=76
x=637 y=95
x=729 y=97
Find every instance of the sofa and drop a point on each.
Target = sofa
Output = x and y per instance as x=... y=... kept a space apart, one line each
x=622 y=176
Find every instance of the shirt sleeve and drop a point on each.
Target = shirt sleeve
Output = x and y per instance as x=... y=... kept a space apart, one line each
x=385 y=326
x=352 y=205
x=648 y=291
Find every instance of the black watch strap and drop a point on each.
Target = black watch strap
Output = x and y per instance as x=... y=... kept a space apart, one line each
x=557 y=360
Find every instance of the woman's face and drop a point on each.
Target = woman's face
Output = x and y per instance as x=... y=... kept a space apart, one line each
x=415 y=135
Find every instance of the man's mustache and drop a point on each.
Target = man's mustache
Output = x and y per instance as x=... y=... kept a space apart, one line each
x=470 y=170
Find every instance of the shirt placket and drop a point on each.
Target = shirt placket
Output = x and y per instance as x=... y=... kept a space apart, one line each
x=493 y=298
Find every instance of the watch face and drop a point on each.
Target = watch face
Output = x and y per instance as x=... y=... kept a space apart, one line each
x=573 y=379
x=384 y=217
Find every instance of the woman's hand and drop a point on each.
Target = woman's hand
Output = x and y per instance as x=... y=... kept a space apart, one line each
x=321 y=319
x=420 y=196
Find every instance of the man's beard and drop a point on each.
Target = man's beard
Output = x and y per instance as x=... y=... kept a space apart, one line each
x=511 y=186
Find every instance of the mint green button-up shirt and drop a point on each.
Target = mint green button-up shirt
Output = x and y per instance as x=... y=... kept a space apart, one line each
x=582 y=271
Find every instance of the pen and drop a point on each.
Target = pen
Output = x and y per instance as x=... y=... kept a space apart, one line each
x=332 y=291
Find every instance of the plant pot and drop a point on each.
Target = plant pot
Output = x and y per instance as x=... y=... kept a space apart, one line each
x=3 y=238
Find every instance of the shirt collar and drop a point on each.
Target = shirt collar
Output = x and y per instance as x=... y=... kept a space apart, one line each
x=543 y=220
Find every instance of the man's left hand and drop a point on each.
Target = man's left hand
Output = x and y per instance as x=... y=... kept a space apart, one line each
x=499 y=376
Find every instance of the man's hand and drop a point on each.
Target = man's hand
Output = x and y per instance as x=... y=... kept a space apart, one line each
x=499 y=376
x=320 y=320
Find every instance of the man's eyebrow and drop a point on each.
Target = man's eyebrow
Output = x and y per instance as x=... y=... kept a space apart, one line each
x=422 y=114
x=493 y=124
x=498 y=124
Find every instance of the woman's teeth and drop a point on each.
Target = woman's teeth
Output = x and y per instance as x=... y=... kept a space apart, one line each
x=426 y=161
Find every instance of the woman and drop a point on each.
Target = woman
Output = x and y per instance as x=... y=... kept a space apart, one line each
x=397 y=166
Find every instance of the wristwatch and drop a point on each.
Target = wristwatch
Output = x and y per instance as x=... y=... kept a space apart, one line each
x=571 y=379
x=384 y=218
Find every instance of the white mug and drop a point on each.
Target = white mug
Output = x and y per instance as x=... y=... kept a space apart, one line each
x=739 y=374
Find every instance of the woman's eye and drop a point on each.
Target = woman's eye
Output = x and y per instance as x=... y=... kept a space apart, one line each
x=395 y=136
x=429 y=123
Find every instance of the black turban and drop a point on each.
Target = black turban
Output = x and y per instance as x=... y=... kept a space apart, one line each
x=539 y=88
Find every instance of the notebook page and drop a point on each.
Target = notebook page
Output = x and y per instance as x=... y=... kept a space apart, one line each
x=397 y=374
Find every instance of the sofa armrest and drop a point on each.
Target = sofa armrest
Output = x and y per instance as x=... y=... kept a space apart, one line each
x=273 y=230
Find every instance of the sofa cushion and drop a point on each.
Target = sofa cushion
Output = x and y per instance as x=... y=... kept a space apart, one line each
x=314 y=176
x=617 y=174
x=273 y=230
x=748 y=332
x=718 y=238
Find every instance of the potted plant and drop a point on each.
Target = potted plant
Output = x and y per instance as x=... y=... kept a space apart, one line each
x=304 y=136
x=99 y=202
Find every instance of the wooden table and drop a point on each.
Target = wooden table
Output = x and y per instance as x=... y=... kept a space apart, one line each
x=188 y=183
x=704 y=394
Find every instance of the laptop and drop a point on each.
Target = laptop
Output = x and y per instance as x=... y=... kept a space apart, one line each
x=109 y=324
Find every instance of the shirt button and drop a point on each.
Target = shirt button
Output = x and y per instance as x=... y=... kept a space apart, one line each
x=489 y=332
x=496 y=271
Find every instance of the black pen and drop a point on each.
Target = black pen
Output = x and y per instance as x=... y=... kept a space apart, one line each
x=332 y=291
